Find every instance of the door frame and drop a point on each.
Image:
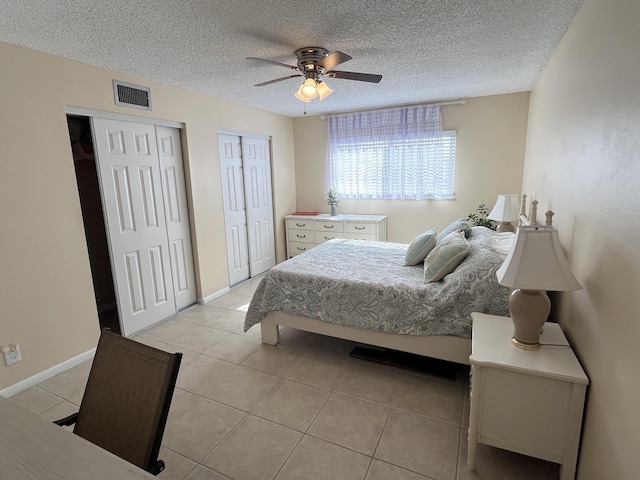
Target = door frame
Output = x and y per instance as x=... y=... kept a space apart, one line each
x=91 y=113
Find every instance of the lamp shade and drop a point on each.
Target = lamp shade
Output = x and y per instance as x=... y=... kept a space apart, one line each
x=309 y=89
x=506 y=209
x=323 y=90
x=299 y=96
x=536 y=262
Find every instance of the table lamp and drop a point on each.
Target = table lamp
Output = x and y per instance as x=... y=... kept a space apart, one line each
x=505 y=211
x=535 y=264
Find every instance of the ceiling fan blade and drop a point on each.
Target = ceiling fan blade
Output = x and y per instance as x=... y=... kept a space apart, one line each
x=276 y=80
x=274 y=62
x=333 y=59
x=361 y=77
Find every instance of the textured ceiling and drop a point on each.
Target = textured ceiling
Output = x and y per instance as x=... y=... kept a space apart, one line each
x=426 y=50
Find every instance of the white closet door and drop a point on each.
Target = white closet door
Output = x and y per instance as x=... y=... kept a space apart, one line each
x=177 y=216
x=132 y=197
x=256 y=159
x=235 y=217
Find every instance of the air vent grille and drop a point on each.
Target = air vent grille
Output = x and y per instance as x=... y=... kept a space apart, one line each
x=129 y=95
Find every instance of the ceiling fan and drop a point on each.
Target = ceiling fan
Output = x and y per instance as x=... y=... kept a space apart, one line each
x=314 y=64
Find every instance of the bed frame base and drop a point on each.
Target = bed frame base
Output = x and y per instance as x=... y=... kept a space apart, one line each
x=444 y=347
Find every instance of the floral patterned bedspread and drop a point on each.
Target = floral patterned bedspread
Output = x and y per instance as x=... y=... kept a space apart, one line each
x=366 y=285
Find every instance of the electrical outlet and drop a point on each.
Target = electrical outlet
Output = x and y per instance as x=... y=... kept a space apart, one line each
x=11 y=354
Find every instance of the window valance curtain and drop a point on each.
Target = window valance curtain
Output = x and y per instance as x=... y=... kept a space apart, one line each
x=395 y=122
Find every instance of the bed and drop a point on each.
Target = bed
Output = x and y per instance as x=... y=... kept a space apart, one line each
x=363 y=291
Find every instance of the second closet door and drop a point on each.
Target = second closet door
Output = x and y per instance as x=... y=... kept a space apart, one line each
x=256 y=160
x=245 y=166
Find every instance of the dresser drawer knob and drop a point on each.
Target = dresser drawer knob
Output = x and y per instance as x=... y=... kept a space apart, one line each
x=329 y=226
x=360 y=228
x=301 y=224
x=301 y=236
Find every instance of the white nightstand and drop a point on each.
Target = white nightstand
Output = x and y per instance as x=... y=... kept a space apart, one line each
x=530 y=402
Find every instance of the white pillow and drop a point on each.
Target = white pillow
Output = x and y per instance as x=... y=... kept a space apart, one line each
x=445 y=257
x=421 y=246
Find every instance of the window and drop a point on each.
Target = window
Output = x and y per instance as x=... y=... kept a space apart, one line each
x=400 y=154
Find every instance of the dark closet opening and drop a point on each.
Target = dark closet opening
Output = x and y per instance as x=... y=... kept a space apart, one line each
x=93 y=218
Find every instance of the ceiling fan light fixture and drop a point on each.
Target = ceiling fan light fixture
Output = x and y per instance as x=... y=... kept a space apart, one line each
x=323 y=90
x=315 y=63
x=299 y=96
x=309 y=89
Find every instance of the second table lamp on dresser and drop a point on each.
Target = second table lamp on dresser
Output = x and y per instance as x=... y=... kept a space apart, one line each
x=506 y=212
x=535 y=264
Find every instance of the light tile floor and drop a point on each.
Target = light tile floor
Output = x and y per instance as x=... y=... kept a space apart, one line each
x=301 y=410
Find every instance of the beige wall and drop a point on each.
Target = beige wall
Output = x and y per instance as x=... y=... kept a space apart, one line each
x=583 y=162
x=46 y=293
x=491 y=134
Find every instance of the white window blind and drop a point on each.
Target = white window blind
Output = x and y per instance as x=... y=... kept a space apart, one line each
x=400 y=154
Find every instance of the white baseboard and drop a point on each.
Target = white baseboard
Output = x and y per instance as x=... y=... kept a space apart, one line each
x=72 y=362
x=42 y=376
x=213 y=296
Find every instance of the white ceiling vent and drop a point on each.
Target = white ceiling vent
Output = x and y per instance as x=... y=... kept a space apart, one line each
x=134 y=96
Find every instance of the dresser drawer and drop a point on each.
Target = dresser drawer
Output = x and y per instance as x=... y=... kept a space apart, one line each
x=303 y=236
x=362 y=236
x=360 y=227
x=322 y=237
x=296 y=248
x=299 y=224
x=329 y=226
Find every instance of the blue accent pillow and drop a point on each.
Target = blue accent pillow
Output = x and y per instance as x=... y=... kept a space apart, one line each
x=445 y=257
x=420 y=247
x=460 y=225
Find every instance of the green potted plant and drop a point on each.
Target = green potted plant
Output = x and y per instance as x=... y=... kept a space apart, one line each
x=480 y=218
x=333 y=198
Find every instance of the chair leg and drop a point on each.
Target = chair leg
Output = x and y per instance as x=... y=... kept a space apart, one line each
x=156 y=467
x=65 y=422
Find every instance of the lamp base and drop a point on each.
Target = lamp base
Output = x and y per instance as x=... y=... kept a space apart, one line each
x=525 y=346
x=505 y=227
x=529 y=311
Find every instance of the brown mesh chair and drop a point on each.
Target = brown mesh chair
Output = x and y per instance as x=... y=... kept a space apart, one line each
x=127 y=398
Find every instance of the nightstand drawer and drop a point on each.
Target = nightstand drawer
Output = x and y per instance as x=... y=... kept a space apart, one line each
x=322 y=237
x=303 y=236
x=299 y=224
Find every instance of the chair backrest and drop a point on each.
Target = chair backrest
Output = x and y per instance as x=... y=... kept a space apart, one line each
x=127 y=398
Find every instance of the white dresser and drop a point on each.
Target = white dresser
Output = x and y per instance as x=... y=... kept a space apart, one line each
x=307 y=231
